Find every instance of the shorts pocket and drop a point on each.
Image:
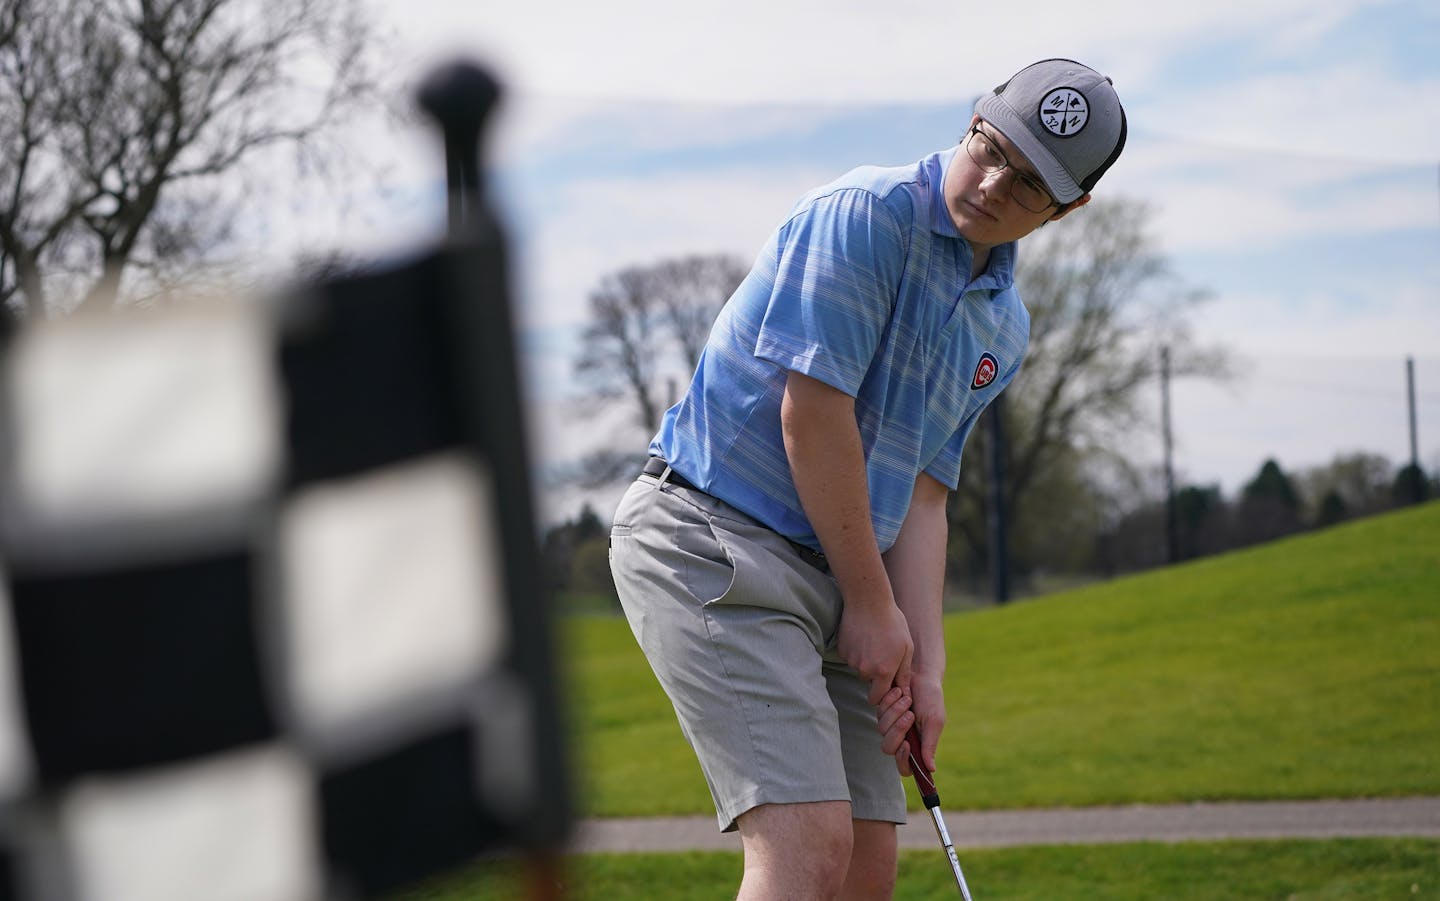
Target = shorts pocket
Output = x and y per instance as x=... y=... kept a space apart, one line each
x=768 y=574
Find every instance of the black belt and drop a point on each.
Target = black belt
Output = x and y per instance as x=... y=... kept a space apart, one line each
x=654 y=466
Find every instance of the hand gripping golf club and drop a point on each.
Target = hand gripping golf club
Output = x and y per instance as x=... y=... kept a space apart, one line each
x=931 y=798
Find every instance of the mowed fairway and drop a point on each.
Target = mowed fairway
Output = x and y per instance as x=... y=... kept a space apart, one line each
x=1306 y=668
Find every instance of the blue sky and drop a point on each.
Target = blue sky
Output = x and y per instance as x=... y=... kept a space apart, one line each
x=1291 y=154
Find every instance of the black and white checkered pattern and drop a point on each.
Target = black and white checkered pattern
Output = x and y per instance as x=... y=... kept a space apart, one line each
x=270 y=625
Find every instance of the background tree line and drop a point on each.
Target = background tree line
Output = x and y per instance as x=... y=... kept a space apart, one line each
x=1078 y=501
x=1271 y=505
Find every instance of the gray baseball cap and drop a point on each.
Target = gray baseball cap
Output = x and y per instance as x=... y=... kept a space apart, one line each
x=1067 y=120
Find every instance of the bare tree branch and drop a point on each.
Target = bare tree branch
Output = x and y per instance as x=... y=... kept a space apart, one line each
x=1102 y=302
x=120 y=103
x=648 y=320
x=692 y=290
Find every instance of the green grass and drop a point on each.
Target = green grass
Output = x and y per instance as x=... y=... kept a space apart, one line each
x=1304 y=668
x=1358 y=869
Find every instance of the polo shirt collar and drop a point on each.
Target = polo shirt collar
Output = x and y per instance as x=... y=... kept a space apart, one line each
x=937 y=165
x=1000 y=267
x=1000 y=270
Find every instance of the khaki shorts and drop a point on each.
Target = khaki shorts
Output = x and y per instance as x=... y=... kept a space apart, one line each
x=741 y=630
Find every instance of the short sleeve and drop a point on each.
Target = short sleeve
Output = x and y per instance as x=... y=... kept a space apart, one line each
x=838 y=264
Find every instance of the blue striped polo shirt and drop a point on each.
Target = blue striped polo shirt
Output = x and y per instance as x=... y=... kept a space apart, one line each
x=864 y=287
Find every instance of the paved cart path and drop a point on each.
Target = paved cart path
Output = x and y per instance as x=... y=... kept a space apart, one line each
x=1089 y=825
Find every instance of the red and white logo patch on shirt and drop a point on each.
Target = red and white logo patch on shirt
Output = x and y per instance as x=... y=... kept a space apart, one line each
x=985 y=372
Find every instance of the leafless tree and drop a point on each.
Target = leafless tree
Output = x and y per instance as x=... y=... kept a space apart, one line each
x=692 y=290
x=1102 y=302
x=647 y=323
x=120 y=115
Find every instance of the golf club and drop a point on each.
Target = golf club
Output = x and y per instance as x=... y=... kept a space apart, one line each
x=930 y=796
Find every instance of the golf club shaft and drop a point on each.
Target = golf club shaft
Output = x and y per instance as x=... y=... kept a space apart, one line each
x=930 y=796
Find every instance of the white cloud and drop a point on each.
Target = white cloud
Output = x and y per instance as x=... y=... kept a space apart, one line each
x=822 y=50
x=601 y=225
x=1255 y=125
x=1241 y=216
x=1216 y=197
x=757 y=51
x=1359 y=110
x=1396 y=320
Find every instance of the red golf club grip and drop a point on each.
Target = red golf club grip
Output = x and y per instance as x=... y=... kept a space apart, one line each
x=931 y=797
x=928 y=793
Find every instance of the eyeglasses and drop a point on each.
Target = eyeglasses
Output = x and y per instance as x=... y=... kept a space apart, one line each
x=1027 y=192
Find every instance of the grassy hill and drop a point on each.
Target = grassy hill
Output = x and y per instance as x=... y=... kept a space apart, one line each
x=1308 y=667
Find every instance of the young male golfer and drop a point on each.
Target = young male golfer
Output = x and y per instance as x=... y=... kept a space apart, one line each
x=781 y=558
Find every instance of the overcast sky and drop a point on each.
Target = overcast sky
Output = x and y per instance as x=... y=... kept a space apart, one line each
x=1291 y=151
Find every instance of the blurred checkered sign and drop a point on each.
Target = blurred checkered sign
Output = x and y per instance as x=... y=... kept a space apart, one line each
x=270 y=625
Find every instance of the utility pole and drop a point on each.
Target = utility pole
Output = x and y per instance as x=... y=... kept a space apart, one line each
x=1410 y=398
x=1411 y=486
x=999 y=546
x=1172 y=538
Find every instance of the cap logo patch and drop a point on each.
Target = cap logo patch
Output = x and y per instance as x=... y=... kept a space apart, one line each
x=1064 y=112
x=985 y=372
